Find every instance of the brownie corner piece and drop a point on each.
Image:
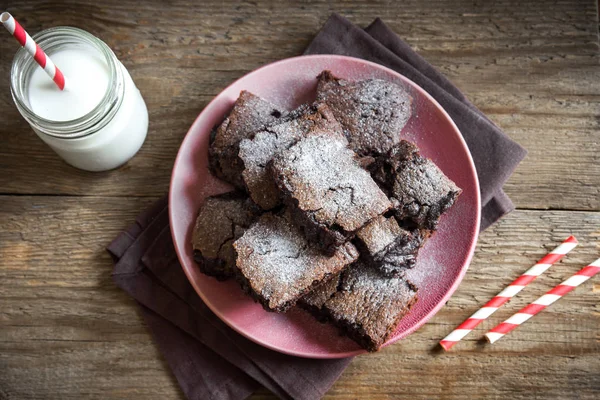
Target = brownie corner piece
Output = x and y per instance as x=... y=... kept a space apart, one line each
x=388 y=247
x=372 y=111
x=420 y=190
x=330 y=194
x=221 y=220
x=277 y=266
x=248 y=114
x=368 y=306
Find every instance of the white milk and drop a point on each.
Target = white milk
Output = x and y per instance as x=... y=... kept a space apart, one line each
x=86 y=86
x=114 y=144
x=113 y=140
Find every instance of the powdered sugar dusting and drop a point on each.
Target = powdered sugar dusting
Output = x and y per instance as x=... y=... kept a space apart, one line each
x=322 y=293
x=379 y=233
x=323 y=176
x=372 y=111
x=259 y=150
x=370 y=305
x=278 y=262
x=361 y=279
x=249 y=113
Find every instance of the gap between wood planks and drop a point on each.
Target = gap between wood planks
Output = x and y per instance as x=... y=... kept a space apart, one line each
x=150 y=196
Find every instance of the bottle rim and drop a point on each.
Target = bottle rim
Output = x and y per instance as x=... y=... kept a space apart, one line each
x=51 y=40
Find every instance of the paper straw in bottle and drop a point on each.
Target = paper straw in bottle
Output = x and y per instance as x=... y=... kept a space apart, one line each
x=33 y=48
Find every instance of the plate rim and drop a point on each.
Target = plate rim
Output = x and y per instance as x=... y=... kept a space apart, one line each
x=457 y=280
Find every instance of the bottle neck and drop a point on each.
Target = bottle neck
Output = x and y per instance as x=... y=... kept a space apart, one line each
x=52 y=41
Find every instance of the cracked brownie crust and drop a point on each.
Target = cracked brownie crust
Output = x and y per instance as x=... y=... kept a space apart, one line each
x=330 y=194
x=421 y=191
x=372 y=112
x=368 y=306
x=249 y=114
x=221 y=220
x=277 y=265
x=387 y=247
x=256 y=152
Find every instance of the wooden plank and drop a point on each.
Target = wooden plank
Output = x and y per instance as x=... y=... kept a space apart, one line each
x=67 y=332
x=533 y=69
x=73 y=369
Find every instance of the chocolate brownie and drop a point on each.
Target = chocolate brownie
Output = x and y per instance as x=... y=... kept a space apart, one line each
x=276 y=265
x=330 y=195
x=255 y=153
x=313 y=302
x=387 y=247
x=369 y=306
x=249 y=113
x=221 y=220
x=372 y=112
x=421 y=191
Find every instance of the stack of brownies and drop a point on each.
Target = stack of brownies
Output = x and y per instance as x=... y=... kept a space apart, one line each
x=331 y=206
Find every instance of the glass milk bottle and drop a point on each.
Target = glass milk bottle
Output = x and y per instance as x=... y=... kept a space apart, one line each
x=99 y=121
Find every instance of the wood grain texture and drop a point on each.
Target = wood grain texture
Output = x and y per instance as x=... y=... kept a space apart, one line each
x=68 y=332
x=533 y=69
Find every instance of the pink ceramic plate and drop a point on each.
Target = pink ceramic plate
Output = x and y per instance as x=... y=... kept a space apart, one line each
x=442 y=262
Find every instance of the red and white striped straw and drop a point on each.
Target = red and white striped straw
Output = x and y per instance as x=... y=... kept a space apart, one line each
x=515 y=287
x=32 y=48
x=550 y=297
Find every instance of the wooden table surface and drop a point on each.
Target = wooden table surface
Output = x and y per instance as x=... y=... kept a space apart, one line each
x=67 y=332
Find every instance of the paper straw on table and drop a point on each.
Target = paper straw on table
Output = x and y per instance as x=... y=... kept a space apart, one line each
x=550 y=297
x=32 y=48
x=515 y=287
